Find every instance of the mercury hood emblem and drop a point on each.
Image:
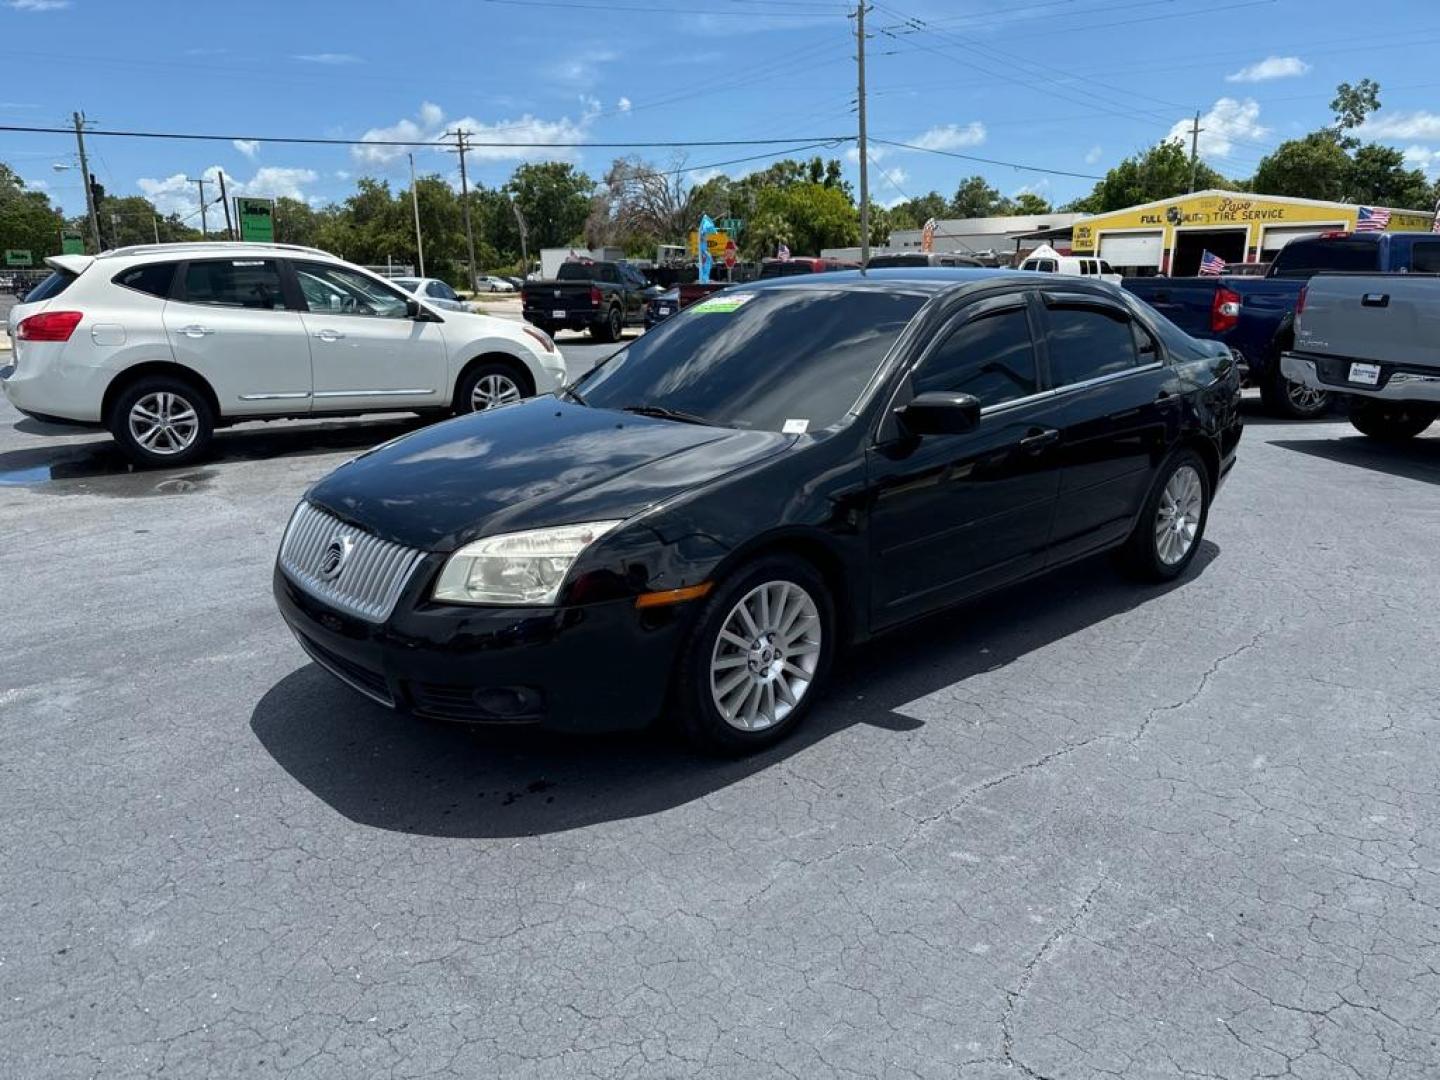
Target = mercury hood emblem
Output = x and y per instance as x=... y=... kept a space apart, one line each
x=335 y=557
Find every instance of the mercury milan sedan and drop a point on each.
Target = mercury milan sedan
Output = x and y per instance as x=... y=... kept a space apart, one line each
x=697 y=528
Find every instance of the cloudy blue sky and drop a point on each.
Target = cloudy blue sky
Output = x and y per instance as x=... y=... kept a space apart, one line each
x=1067 y=85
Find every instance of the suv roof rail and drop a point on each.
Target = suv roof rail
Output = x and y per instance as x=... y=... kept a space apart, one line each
x=192 y=245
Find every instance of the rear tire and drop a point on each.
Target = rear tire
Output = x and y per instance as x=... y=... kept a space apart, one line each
x=758 y=657
x=162 y=422
x=1391 y=422
x=610 y=328
x=1292 y=400
x=1172 y=520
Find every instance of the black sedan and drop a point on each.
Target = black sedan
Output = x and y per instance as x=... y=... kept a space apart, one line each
x=700 y=525
x=661 y=307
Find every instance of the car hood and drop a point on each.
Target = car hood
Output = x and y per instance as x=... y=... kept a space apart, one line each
x=541 y=462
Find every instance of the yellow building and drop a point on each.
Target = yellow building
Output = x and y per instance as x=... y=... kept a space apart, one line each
x=1169 y=236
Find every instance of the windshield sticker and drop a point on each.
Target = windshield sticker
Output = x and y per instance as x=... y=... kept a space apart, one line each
x=795 y=427
x=722 y=305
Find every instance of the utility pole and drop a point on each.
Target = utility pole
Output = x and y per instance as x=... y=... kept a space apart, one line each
x=85 y=174
x=155 y=224
x=204 y=227
x=465 y=205
x=115 y=229
x=415 y=204
x=1195 y=130
x=524 y=251
x=863 y=142
x=225 y=202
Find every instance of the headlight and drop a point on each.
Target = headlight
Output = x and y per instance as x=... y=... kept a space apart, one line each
x=517 y=568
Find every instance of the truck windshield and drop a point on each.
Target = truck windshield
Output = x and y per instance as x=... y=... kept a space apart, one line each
x=1306 y=258
x=770 y=359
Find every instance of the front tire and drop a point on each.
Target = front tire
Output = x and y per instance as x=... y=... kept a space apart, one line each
x=1391 y=422
x=758 y=657
x=488 y=386
x=1172 y=521
x=162 y=422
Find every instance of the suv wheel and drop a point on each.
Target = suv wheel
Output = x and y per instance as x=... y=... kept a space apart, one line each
x=162 y=421
x=757 y=658
x=488 y=386
x=1172 y=521
x=1390 y=422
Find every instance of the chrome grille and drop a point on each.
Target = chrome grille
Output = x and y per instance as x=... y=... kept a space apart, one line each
x=371 y=574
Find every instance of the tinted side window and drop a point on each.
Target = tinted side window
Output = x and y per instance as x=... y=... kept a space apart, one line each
x=53 y=285
x=1303 y=258
x=153 y=278
x=1105 y=267
x=338 y=290
x=1085 y=343
x=436 y=290
x=244 y=283
x=991 y=357
x=1425 y=257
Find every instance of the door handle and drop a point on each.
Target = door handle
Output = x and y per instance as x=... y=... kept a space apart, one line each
x=1038 y=439
x=197 y=331
x=1375 y=300
x=329 y=335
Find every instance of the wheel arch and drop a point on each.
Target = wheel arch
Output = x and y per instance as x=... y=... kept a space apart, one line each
x=1209 y=453
x=821 y=552
x=147 y=368
x=517 y=366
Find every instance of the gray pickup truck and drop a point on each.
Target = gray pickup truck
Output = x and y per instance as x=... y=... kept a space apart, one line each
x=1374 y=338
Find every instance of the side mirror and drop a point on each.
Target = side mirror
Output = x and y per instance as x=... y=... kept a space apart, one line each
x=413 y=310
x=939 y=412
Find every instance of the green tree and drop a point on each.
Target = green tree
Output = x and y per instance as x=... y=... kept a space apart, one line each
x=1352 y=104
x=1378 y=177
x=27 y=220
x=555 y=199
x=913 y=213
x=296 y=222
x=1162 y=172
x=805 y=216
x=1027 y=202
x=975 y=198
x=1313 y=167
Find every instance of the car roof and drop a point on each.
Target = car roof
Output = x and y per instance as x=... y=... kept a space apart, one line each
x=202 y=248
x=924 y=279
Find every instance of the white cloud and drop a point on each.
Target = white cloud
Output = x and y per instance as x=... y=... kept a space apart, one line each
x=248 y=147
x=330 y=58
x=877 y=153
x=1094 y=154
x=37 y=5
x=1227 y=121
x=431 y=125
x=1272 y=67
x=179 y=194
x=951 y=137
x=1425 y=158
x=583 y=72
x=342 y=174
x=623 y=104
x=1039 y=187
x=1416 y=125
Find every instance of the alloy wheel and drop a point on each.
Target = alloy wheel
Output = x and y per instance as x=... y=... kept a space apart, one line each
x=492 y=391
x=164 y=423
x=765 y=656
x=1304 y=398
x=1177 y=522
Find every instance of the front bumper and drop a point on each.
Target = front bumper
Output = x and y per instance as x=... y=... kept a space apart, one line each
x=1397 y=383
x=595 y=667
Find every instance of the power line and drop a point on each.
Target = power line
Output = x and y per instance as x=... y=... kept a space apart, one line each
x=435 y=143
x=985 y=160
x=689 y=12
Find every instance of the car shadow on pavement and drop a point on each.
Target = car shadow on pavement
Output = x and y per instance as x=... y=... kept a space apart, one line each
x=388 y=771
x=1415 y=459
x=58 y=462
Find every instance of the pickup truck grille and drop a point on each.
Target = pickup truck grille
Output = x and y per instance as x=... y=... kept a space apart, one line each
x=345 y=566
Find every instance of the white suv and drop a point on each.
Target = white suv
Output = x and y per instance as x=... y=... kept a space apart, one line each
x=161 y=344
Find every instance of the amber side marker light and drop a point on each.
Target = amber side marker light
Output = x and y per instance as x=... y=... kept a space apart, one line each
x=673 y=596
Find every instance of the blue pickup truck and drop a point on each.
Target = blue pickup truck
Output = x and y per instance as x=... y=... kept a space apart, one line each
x=1256 y=315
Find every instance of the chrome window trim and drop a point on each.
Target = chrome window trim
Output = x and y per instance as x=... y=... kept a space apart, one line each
x=1057 y=391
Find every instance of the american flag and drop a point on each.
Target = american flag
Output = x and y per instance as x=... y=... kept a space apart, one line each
x=1368 y=219
x=1211 y=265
x=783 y=253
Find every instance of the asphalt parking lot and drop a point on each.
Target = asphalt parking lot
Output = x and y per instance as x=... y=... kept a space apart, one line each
x=1081 y=829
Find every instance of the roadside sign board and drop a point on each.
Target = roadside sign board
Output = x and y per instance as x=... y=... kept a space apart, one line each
x=18 y=257
x=72 y=245
x=715 y=243
x=257 y=219
x=732 y=225
x=731 y=255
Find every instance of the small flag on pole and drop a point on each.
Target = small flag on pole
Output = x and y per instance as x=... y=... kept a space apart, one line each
x=1435 y=225
x=783 y=252
x=927 y=236
x=1211 y=265
x=1368 y=219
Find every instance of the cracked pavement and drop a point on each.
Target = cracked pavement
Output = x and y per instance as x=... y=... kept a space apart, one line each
x=1080 y=829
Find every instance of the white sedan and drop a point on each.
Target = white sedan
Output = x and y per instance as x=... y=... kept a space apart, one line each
x=434 y=292
x=491 y=283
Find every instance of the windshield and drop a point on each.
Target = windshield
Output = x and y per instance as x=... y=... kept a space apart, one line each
x=771 y=359
x=409 y=284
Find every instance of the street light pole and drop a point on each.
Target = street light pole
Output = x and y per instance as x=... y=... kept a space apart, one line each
x=415 y=204
x=863 y=141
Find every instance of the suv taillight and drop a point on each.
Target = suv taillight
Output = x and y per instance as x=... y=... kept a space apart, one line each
x=49 y=326
x=1224 y=310
x=595 y=296
x=1300 y=303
